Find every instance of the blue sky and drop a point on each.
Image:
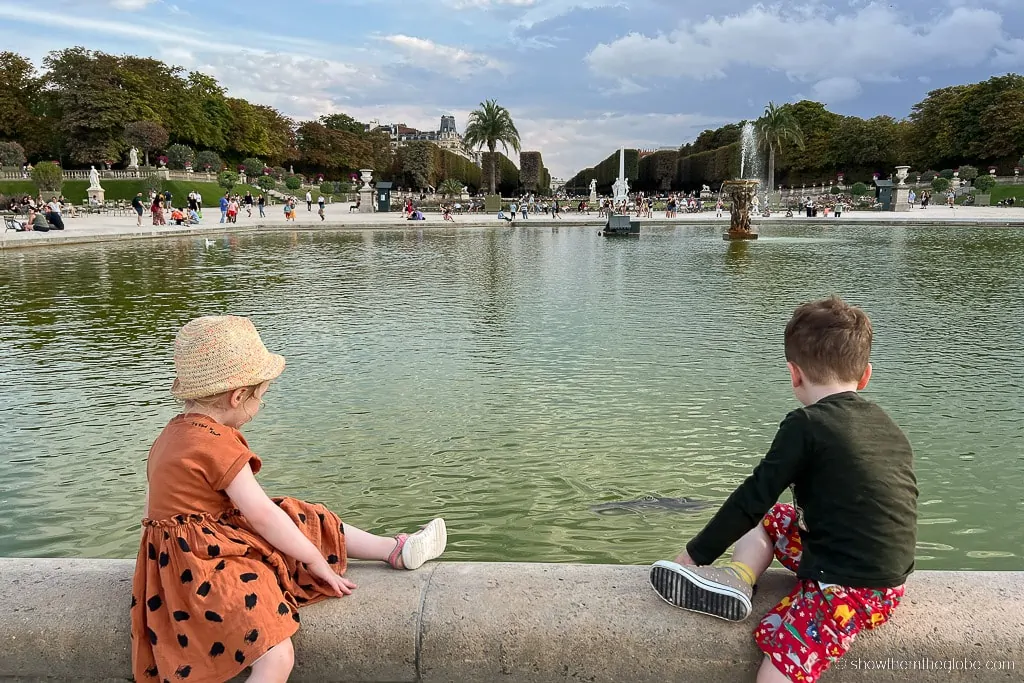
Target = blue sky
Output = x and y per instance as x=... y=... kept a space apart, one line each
x=581 y=77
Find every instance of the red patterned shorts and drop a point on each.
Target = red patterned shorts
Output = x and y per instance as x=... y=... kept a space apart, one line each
x=815 y=624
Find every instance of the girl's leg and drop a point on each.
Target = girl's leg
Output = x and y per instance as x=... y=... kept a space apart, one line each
x=362 y=545
x=275 y=666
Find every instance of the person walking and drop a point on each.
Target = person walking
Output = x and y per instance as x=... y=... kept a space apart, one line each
x=262 y=202
x=309 y=200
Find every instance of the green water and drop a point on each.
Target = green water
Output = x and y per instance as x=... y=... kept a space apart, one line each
x=510 y=379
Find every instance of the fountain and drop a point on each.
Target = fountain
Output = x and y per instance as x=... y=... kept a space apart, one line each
x=741 y=194
x=750 y=160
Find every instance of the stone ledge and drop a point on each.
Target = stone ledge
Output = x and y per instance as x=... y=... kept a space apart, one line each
x=67 y=620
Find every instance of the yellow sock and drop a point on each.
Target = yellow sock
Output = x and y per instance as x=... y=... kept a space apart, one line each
x=742 y=571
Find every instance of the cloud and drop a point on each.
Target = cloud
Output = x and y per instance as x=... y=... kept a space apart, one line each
x=485 y=4
x=443 y=59
x=803 y=43
x=131 y=5
x=573 y=143
x=837 y=89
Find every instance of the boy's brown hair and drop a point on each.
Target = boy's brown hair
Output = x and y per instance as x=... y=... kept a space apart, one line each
x=829 y=340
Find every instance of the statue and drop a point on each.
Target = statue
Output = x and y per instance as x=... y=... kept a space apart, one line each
x=620 y=191
x=133 y=158
x=593 y=186
x=705 y=188
x=94 y=178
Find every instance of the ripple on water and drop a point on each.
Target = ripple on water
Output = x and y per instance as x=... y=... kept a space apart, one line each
x=510 y=380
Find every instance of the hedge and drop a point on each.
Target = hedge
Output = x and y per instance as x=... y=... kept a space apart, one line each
x=708 y=168
x=420 y=163
x=508 y=174
x=658 y=171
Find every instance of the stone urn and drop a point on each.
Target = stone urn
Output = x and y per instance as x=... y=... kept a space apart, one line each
x=901 y=174
x=365 y=175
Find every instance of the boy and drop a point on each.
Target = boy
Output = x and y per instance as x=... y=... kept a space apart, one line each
x=851 y=531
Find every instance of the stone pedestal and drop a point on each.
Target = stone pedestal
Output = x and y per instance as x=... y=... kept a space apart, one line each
x=96 y=193
x=593 y=197
x=163 y=173
x=901 y=199
x=366 y=195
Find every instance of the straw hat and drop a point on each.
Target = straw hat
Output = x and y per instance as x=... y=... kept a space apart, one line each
x=214 y=354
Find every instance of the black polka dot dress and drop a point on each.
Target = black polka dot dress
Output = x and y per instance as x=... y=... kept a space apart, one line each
x=210 y=596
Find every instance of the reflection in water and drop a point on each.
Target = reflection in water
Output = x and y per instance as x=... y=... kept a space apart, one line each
x=511 y=379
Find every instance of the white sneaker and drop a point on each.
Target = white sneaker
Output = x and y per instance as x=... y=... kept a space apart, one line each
x=425 y=545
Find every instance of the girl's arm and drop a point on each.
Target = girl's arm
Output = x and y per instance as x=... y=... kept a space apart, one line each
x=279 y=530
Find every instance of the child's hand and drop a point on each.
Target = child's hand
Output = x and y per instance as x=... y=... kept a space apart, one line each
x=684 y=559
x=339 y=585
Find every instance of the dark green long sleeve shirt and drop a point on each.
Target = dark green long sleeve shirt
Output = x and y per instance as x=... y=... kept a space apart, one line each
x=852 y=473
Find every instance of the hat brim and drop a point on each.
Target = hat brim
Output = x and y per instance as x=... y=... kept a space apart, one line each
x=271 y=369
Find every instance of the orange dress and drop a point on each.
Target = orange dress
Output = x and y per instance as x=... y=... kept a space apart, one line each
x=210 y=596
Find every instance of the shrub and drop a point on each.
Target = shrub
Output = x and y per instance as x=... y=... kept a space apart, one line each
x=266 y=183
x=178 y=156
x=48 y=177
x=153 y=183
x=946 y=173
x=450 y=187
x=928 y=176
x=293 y=182
x=859 y=189
x=984 y=184
x=11 y=154
x=327 y=188
x=940 y=184
x=279 y=172
x=253 y=167
x=208 y=161
x=227 y=179
x=968 y=173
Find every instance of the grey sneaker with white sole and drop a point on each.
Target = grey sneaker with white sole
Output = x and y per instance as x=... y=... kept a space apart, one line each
x=708 y=590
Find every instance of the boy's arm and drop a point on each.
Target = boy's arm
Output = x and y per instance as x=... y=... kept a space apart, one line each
x=743 y=510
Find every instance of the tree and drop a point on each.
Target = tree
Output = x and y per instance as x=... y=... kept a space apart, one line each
x=48 y=177
x=940 y=184
x=342 y=122
x=266 y=183
x=227 y=179
x=984 y=184
x=148 y=136
x=253 y=166
x=18 y=93
x=179 y=156
x=208 y=161
x=450 y=187
x=293 y=182
x=326 y=188
x=859 y=189
x=776 y=127
x=11 y=154
x=487 y=127
x=968 y=172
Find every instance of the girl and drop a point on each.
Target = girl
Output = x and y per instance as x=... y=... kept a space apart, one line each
x=222 y=569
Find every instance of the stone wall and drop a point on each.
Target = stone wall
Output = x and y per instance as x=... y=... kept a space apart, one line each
x=67 y=620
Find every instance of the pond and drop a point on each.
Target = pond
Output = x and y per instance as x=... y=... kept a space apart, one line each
x=512 y=378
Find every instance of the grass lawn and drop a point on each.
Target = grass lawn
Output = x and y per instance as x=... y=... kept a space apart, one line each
x=1001 y=192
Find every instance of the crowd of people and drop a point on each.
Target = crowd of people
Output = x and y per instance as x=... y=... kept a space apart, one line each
x=39 y=215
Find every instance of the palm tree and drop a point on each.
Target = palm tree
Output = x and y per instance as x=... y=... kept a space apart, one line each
x=489 y=125
x=450 y=187
x=776 y=127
